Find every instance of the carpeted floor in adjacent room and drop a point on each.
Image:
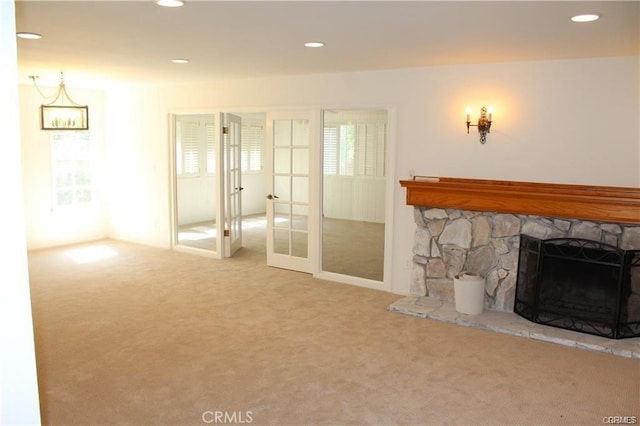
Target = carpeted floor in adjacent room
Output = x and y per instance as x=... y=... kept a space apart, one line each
x=127 y=334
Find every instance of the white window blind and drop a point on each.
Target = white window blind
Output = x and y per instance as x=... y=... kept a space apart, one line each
x=187 y=141
x=253 y=137
x=381 y=150
x=347 y=150
x=354 y=149
x=370 y=149
x=330 y=163
x=210 y=135
x=195 y=145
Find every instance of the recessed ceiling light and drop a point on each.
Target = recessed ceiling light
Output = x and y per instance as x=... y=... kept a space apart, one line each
x=589 y=17
x=314 y=44
x=180 y=61
x=30 y=36
x=170 y=3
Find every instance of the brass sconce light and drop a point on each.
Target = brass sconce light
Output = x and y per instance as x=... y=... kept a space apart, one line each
x=484 y=122
x=62 y=113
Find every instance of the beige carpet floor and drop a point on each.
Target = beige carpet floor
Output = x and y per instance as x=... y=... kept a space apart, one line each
x=145 y=336
x=349 y=247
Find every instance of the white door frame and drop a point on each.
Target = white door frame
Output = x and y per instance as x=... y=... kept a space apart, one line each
x=219 y=184
x=315 y=183
x=233 y=184
x=390 y=188
x=311 y=263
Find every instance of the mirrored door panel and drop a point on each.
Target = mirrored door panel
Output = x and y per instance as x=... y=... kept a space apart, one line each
x=353 y=192
x=196 y=185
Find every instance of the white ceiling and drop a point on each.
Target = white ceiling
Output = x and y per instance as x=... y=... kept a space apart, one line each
x=100 y=43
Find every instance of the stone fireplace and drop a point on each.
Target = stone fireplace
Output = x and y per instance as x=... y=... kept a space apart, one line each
x=475 y=225
x=448 y=241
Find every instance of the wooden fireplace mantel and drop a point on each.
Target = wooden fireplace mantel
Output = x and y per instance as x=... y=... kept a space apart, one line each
x=598 y=203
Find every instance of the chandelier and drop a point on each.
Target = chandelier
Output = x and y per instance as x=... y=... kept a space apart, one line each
x=62 y=113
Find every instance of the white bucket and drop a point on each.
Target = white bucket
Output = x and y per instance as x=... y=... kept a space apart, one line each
x=469 y=293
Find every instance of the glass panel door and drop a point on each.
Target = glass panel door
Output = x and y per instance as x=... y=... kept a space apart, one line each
x=233 y=180
x=197 y=200
x=290 y=211
x=207 y=202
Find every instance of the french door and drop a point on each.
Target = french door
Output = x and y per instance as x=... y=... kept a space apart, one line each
x=292 y=190
x=233 y=184
x=206 y=184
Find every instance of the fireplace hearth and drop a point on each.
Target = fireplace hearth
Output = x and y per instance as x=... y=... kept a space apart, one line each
x=578 y=284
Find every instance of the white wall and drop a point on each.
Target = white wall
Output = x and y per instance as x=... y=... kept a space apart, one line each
x=254 y=193
x=19 y=401
x=569 y=121
x=46 y=225
x=354 y=198
x=195 y=207
x=138 y=166
x=196 y=199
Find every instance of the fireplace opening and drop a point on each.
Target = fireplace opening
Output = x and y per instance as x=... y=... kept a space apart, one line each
x=580 y=285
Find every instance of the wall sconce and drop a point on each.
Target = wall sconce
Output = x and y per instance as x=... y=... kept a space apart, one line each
x=484 y=122
x=62 y=113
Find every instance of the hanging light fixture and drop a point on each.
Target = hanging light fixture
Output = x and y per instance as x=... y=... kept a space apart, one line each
x=63 y=113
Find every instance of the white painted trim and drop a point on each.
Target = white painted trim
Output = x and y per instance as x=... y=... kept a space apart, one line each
x=173 y=182
x=19 y=397
x=315 y=240
x=196 y=251
x=221 y=204
x=173 y=194
x=315 y=195
x=348 y=279
x=392 y=187
x=311 y=263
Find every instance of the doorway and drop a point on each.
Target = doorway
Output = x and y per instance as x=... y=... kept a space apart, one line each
x=206 y=184
x=354 y=173
x=292 y=185
x=313 y=183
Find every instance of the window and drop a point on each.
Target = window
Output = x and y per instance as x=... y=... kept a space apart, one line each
x=330 y=162
x=253 y=137
x=354 y=149
x=71 y=168
x=195 y=145
x=370 y=149
x=210 y=131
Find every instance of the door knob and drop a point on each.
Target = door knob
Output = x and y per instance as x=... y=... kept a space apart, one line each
x=271 y=197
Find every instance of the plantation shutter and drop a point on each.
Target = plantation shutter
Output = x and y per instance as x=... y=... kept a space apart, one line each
x=370 y=147
x=253 y=135
x=195 y=145
x=330 y=161
x=381 y=149
x=187 y=138
x=210 y=135
x=347 y=153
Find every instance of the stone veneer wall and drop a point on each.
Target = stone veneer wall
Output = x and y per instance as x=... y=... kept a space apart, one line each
x=450 y=241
